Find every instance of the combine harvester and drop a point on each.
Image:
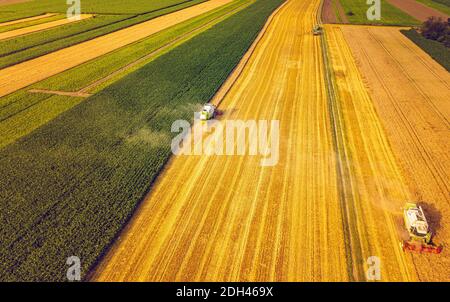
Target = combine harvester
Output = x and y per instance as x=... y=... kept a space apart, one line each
x=419 y=231
x=317 y=30
x=208 y=112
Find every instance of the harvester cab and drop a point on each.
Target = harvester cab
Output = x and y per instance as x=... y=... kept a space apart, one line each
x=208 y=112
x=317 y=30
x=419 y=231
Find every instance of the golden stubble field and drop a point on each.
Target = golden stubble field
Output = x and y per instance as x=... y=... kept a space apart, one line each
x=410 y=92
x=316 y=216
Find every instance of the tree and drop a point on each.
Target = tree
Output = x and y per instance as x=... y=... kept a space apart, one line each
x=436 y=29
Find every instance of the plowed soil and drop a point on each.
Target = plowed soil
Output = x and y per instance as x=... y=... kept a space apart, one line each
x=332 y=9
x=417 y=10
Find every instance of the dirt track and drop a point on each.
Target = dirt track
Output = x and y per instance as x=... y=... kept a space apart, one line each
x=331 y=10
x=418 y=10
x=23 y=74
x=411 y=92
x=39 y=27
x=317 y=215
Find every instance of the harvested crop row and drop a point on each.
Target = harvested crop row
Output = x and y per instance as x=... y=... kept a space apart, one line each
x=410 y=92
x=85 y=171
x=40 y=27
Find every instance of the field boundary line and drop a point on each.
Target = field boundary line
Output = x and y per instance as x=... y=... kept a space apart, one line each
x=222 y=92
x=57 y=92
x=344 y=183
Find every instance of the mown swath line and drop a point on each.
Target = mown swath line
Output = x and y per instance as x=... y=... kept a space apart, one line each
x=351 y=234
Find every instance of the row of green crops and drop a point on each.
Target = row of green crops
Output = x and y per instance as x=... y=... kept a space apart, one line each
x=70 y=186
x=22 y=111
x=33 y=8
x=19 y=49
x=356 y=11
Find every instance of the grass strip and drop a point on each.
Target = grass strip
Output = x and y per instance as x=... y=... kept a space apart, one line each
x=436 y=50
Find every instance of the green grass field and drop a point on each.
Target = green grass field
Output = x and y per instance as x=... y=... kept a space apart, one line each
x=436 y=50
x=440 y=5
x=69 y=186
x=16 y=50
x=15 y=109
x=390 y=15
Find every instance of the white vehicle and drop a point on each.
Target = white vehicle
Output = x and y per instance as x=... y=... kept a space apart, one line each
x=208 y=112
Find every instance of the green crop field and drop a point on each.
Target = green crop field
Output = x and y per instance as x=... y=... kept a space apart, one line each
x=440 y=5
x=390 y=15
x=19 y=49
x=17 y=108
x=69 y=186
x=37 y=7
